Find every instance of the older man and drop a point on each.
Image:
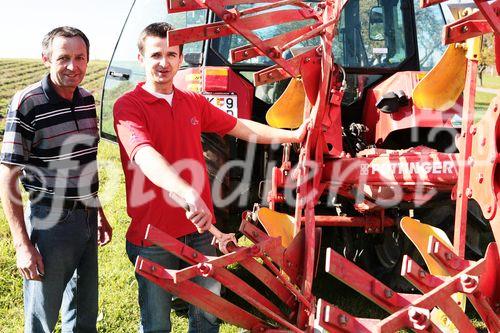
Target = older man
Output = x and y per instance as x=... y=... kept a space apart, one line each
x=50 y=143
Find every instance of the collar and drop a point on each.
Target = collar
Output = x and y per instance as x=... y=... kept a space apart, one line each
x=150 y=98
x=53 y=96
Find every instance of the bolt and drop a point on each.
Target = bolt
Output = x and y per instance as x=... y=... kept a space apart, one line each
x=473 y=130
x=448 y=255
x=228 y=17
x=468 y=282
x=370 y=229
x=307 y=59
x=182 y=3
x=288 y=264
x=495 y=109
x=470 y=161
x=489 y=209
x=388 y=293
x=194 y=255
x=254 y=234
x=270 y=75
x=274 y=53
x=255 y=250
x=422 y=273
x=483 y=142
x=465 y=29
x=468 y=192
x=217 y=30
x=204 y=269
x=153 y=268
x=419 y=317
x=245 y=54
x=459 y=195
x=343 y=320
x=480 y=178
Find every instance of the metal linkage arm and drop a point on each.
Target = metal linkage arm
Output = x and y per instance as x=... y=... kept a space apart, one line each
x=473 y=25
x=425 y=282
x=334 y=319
x=221 y=29
x=475 y=280
x=214 y=267
x=249 y=51
x=200 y=297
x=377 y=292
x=176 y=6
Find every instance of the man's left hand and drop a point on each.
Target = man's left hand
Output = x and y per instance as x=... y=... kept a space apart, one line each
x=104 y=230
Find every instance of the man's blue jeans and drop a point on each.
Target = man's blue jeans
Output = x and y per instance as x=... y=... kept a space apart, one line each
x=155 y=302
x=67 y=242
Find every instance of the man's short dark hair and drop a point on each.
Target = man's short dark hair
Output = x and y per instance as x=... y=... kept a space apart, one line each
x=65 y=31
x=158 y=29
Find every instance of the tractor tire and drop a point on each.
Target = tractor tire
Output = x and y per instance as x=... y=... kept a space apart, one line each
x=216 y=153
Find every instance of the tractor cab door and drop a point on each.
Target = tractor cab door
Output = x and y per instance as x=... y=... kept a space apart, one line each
x=124 y=70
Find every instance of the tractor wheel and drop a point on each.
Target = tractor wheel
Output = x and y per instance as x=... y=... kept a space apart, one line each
x=216 y=153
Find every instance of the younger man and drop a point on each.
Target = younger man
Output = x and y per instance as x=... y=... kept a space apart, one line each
x=159 y=131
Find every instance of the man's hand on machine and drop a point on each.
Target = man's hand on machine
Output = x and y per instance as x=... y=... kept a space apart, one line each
x=225 y=242
x=202 y=219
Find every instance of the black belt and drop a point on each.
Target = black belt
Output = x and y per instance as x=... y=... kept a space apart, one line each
x=61 y=203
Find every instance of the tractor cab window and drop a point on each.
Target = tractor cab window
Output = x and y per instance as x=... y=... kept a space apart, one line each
x=372 y=33
x=430 y=22
x=124 y=71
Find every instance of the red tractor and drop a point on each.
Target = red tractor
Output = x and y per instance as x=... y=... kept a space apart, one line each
x=395 y=191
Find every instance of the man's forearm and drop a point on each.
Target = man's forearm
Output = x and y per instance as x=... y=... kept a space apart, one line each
x=158 y=170
x=12 y=204
x=259 y=133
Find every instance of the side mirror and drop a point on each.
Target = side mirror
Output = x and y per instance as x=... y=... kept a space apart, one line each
x=376 y=24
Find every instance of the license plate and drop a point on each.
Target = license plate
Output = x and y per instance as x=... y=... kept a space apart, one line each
x=227 y=103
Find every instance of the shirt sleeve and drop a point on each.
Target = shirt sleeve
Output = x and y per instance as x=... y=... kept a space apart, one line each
x=215 y=120
x=130 y=126
x=18 y=135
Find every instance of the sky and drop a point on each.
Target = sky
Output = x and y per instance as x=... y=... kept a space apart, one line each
x=23 y=23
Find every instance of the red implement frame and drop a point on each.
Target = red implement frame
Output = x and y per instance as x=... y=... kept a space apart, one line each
x=289 y=272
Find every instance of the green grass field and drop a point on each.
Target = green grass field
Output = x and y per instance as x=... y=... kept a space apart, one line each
x=118 y=310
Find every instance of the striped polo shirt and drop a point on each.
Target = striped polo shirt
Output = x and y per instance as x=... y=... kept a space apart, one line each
x=54 y=140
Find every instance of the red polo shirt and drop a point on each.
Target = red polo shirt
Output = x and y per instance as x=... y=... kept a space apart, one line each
x=141 y=119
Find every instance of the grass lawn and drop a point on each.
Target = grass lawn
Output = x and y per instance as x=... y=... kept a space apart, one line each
x=118 y=309
x=491 y=81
